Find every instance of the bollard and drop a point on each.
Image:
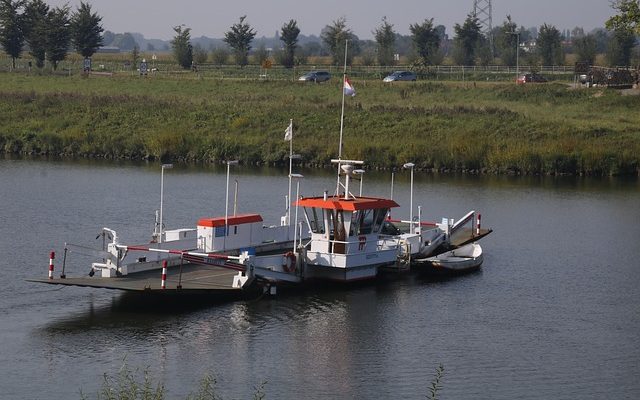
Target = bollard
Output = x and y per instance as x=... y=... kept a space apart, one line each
x=478 y=226
x=164 y=275
x=52 y=256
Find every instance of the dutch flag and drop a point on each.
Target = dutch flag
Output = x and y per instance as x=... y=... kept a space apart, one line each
x=349 y=90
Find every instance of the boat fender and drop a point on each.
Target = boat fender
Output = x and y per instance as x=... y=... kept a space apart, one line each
x=289 y=262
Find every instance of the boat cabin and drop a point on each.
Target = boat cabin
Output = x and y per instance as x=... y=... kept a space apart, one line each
x=345 y=226
x=241 y=231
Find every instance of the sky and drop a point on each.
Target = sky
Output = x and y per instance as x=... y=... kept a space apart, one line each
x=212 y=18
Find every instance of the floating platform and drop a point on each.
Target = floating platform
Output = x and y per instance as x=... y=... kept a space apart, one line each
x=194 y=279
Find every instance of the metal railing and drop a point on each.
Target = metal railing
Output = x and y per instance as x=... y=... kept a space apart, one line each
x=278 y=72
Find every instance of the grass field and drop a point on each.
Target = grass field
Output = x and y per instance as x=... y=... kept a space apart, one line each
x=446 y=126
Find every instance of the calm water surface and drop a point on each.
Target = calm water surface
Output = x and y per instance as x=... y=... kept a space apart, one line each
x=554 y=313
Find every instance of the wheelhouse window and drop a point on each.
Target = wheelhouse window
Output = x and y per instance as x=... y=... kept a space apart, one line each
x=362 y=222
x=378 y=219
x=315 y=216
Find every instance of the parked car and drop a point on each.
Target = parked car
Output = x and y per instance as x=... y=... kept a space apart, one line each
x=315 y=76
x=530 y=78
x=400 y=76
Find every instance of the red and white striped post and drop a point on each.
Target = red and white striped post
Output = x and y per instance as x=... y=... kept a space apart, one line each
x=478 y=225
x=52 y=256
x=164 y=275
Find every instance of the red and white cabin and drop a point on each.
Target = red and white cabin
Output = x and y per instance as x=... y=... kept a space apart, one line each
x=346 y=240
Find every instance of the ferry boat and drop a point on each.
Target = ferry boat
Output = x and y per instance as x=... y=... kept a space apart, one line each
x=347 y=238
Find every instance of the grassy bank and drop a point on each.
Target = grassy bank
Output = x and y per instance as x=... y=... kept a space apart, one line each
x=442 y=126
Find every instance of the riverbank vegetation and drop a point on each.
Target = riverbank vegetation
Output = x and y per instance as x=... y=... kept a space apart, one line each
x=446 y=126
x=128 y=384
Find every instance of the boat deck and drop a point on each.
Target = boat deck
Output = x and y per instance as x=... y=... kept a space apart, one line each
x=194 y=278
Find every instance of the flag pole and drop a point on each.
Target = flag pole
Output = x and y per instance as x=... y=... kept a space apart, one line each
x=290 y=169
x=344 y=81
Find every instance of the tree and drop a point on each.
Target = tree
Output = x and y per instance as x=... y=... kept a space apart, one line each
x=484 y=53
x=239 y=39
x=289 y=36
x=620 y=47
x=550 y=45
x=368 y=56
x=628 y=18
x=261 y=54
x=220 y=55
x=11 y=34
x=108 y=37
x=467 y=40
x=135 y=56
x=125 y=41
x=577 y=32
x=426 y=41
x=58 y=35
x=35 y=29
x=334 y=38
x=86 y=30
x=385 y=39
x=181 y=45
x=506 y=41
x=584 y=48
x=200 y=55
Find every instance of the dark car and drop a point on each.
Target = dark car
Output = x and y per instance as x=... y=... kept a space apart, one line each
x=530 y=78
x=400 y=76
x=315 y=76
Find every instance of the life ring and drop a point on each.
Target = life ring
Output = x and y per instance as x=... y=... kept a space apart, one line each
x=289 y=262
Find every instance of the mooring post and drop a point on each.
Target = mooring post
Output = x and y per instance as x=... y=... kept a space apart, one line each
x=478 y=225
x=52 y=256
x=180 y=276
x=163 y=285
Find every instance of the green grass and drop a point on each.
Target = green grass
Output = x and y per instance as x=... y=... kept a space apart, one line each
x=489 y=127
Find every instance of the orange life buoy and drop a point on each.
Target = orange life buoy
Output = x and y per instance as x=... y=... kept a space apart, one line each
x=289 y=262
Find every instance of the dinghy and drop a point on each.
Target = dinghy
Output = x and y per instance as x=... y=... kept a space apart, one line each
x=462 y=260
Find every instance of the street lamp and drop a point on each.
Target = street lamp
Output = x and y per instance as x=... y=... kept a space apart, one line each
x=393 y=173
x=517 y=53
x=226 y=205
x=359 y=172
x=410 y=166
x=288 y=210
x=297 y=177
x=164 y=166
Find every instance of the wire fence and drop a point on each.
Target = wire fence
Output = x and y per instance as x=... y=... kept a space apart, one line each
x=278 y=72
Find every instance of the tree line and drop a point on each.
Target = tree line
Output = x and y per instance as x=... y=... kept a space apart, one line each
x=48 y=32
x=430 y=43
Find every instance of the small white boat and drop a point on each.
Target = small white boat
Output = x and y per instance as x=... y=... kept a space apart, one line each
x=464 y=259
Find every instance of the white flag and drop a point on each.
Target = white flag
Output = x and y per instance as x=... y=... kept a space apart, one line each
x=288 y=133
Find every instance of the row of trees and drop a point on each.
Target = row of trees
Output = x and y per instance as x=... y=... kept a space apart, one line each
x=48 y=32
x=430 y=43
x=239 y=39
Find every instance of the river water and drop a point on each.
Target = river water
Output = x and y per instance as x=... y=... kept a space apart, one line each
x=554 y=312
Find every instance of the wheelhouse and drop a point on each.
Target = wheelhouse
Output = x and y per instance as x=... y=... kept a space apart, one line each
x=336 y=222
